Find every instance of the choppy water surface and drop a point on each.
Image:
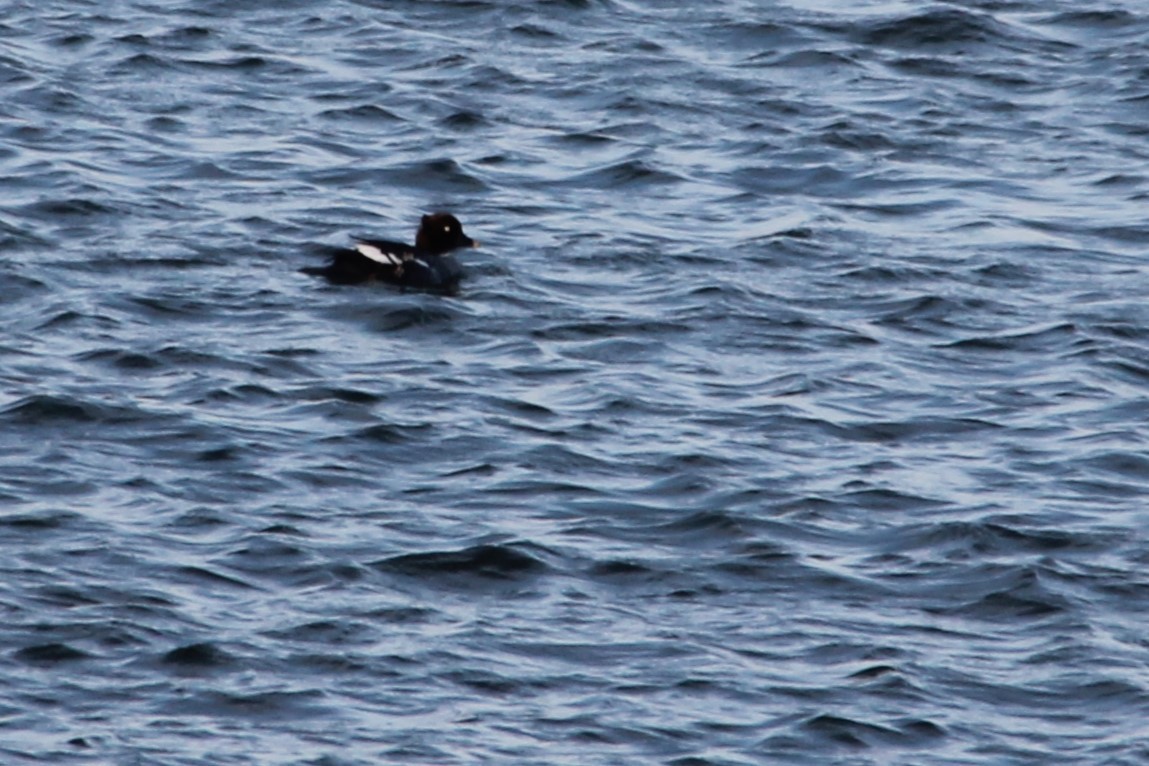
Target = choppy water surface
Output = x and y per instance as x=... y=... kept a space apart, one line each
x=794 y=410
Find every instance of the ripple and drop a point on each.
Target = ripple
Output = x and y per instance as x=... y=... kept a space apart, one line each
x=50 y=653
x=201 y=655
x=40 y=409
x=941 y=27
x=490 y=562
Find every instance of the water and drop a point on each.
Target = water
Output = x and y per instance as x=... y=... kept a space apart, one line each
x=793 y=410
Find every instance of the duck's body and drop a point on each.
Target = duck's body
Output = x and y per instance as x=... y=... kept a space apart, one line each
x=427 y=265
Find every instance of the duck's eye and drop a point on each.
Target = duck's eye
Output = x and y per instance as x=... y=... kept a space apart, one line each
x=447 y=228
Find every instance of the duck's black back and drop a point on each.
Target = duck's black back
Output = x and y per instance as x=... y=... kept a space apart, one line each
x=406 y=267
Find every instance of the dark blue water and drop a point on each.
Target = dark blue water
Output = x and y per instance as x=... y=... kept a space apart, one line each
x=794 y=410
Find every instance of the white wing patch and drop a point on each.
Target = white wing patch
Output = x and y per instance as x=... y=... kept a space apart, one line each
x=379 y=256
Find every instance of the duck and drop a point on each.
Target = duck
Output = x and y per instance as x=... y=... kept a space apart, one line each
x=426 y=265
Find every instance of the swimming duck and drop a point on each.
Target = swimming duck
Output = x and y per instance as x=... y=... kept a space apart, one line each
x=427 y=265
